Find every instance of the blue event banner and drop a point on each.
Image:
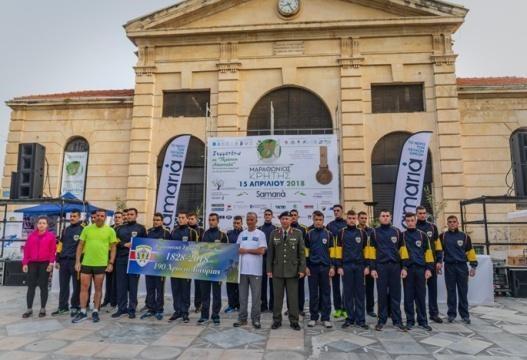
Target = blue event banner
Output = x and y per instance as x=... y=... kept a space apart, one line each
x=184 y=259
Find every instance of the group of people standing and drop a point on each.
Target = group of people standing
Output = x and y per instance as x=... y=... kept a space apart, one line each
x=343 y=258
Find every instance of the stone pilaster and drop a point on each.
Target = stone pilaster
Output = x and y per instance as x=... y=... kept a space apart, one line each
x=227 y=117
x=354 y=184
x=448 y=120
x=142 y=163
x=16 y=129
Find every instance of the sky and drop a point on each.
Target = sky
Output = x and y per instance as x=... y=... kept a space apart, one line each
x=64 y=45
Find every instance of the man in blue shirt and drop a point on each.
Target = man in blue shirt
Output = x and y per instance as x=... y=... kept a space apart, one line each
x=386 y=269
x=233 y=295
x=212 y=235
x=319 y=270
x=458 y=250
x=419 y=269
x=335 y=226
x=267 y=228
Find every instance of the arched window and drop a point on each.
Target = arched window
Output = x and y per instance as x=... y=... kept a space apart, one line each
x=75 y=167
x=77 y=144
x=192 y=184
x=518 y=146
x=384 y=165
x=294 y=110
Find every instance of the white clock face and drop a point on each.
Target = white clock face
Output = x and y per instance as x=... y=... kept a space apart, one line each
x=288 y=7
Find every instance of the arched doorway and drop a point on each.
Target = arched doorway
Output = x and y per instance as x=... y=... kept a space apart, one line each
x=384 y=164
x=295 y=111
x=192 y=184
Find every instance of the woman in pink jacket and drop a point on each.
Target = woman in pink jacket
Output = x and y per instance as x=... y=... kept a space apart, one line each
x=39 y=257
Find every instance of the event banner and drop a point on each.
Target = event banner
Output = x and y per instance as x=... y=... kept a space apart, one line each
x=184 y=259
x=74 y=174
x=410 y=176
x=277 y=172
x=171 y=176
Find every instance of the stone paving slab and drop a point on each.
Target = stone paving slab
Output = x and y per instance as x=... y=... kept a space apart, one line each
x=497 y=332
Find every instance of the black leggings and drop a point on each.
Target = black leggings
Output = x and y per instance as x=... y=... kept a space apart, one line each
x=37 y=276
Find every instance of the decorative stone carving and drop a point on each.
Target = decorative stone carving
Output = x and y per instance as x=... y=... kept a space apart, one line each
x=232 y=67
x=288 y=48
x=146 y=61
x=443 y=53
x=228 y=58
x=350 y=53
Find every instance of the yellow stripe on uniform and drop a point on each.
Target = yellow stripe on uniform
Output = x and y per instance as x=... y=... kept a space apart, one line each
x=438 y=245
x=471 y=255
x=306 y=252
x=370 y=253
x=429 y=256
x=403 y=253
x=337 y=252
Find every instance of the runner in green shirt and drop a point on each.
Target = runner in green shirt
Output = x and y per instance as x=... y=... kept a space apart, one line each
x=95 y=242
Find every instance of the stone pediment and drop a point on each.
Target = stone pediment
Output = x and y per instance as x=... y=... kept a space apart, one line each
x=198 y=16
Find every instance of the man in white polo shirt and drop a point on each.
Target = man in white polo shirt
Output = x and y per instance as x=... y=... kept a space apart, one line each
x=253 y=245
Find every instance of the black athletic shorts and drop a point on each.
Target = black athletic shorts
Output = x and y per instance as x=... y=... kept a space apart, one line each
x=93 y=270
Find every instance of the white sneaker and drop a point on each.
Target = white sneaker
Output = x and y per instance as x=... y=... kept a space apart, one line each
x=311 y=323
x=328 y=324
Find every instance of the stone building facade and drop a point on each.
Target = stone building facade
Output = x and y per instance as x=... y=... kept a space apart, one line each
x=363 y=60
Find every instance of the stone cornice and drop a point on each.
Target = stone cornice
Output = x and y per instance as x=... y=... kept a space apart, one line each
x=145 y=70
x=192 y=9
x=449 y=24
x=102 y=101
x=485 y=92
x=448 y=59
x=228 y=66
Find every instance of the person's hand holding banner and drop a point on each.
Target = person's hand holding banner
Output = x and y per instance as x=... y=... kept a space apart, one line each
x=428 y=274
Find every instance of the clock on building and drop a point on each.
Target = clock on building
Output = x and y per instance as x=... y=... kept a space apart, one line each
x=288 y=8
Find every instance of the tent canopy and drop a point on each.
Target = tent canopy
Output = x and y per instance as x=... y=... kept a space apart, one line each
x=62 y=208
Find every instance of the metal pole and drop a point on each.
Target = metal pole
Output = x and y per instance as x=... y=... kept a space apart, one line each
x=272 y=119
x=204 y=203
x=487 y=242
x=4 y=230
x=338 y=121
x=462 y=213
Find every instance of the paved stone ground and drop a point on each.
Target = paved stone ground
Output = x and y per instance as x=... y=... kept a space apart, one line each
x=497 y=332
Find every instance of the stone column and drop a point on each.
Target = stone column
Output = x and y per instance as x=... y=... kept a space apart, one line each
x=354 y=157
x=448 y=120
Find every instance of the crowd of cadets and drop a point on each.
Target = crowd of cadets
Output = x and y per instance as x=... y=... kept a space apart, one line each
x=342 y=261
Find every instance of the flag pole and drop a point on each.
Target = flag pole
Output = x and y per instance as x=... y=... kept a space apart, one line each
x=272 y=119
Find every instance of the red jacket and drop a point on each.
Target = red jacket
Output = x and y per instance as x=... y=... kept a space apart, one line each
x=40 y=248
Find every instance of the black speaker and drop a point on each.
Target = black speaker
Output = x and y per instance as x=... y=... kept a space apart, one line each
x=30 y=174
x=13 y=273
x=13 y=193
x=518 y=281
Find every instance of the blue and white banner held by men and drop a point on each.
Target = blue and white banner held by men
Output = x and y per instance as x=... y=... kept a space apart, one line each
x=184 y=259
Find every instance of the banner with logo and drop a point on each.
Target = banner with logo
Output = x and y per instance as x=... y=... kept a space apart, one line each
x=184 y=259
x=277 y=172
x=410 y=176
x=74 y=174
x=171 y=176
